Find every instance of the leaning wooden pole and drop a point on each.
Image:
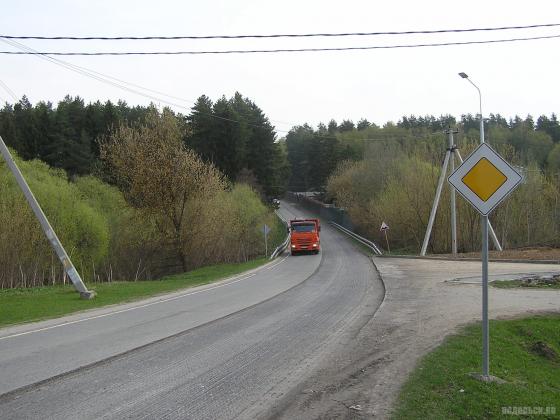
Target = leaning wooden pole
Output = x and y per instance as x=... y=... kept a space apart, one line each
x=47 y=228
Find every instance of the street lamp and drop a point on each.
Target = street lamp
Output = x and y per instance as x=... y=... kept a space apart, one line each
x=484 y=228
x=465 y=76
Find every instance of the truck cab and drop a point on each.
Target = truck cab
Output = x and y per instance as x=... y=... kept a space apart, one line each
x=304 y=236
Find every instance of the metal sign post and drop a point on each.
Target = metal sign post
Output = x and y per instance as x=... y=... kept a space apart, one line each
x=384 y=228
x=266 y=230
x=485 y=322
x=47 y=228
x=485 y=179
x=452 y=148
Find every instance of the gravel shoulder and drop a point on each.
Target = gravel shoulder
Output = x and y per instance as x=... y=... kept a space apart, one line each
x=363 y=377
x=529 y=254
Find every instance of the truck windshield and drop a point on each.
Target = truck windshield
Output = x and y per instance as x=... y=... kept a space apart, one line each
x=304 y=228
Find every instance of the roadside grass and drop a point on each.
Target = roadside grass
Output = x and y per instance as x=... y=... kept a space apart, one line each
x=33 y=304
x=523 y=352
x=278 y=235
x=514 y=284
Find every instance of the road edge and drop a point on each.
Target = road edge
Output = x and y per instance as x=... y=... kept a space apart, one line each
x=106 y=310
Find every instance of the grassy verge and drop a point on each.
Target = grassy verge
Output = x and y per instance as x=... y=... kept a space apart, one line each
x=514 y=284
x=34 y=304
x=277 y=235
x=523 y=352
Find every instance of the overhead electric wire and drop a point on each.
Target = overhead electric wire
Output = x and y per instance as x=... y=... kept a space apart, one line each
x=102 y=78
x=257 y=36
x=121 y=84
x=8 y=90
x=279 y=50
x=158 y=92
x=104 y=75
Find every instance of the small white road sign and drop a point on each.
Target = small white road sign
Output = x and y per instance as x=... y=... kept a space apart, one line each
x=485 y=179
x=265 y=230
x=384 y=226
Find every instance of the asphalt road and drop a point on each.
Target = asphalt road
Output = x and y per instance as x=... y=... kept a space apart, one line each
x=225 y=351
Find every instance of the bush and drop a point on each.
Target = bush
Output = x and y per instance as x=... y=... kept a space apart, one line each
x=25 y=255
x=401 y=192
x=229 y=227
x=174 y=212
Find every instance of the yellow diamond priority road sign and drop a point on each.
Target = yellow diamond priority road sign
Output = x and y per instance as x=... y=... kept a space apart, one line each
x=485 y=179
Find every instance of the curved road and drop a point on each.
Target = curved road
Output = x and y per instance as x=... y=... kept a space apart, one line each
x=224 y=351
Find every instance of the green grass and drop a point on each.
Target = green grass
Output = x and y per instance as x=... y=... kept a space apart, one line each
x=533 y=380
x=514 y=284
x=34 y=304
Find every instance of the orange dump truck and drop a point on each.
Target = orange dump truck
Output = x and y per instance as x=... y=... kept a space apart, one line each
x=305 y=235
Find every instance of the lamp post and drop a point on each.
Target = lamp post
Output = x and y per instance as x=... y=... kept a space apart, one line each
x=464 y=76
x=490 y=229
x=484 y=228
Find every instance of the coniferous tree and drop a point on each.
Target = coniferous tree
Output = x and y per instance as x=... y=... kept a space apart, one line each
x=363 y=124
x=346 y=125
x=332 y=127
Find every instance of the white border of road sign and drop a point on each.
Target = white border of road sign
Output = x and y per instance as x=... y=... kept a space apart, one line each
x=265 y=229
x=485 y=151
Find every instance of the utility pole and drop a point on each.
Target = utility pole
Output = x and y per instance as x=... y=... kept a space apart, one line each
x=450 y=154
x=47 y=228
x=451 y=147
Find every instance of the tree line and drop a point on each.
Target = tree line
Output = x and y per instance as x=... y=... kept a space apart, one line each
x=314 y=154
x=224 y=151
x=233 y=134
x=139 y=202
x=394 y=177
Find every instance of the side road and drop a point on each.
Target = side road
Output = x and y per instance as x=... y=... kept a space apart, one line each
x=420 y=308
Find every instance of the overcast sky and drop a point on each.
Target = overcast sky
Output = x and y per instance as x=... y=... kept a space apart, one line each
x=293 y=88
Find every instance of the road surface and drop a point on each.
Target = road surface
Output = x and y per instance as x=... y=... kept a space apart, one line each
x=224 y=351
x=421 y=307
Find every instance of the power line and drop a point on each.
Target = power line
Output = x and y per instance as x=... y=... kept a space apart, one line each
x=121 y=84
x=118 y=82
x=281 y=50
x=308 y=35
x=8 y=90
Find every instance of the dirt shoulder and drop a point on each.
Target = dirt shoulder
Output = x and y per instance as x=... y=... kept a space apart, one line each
x=363 y=377
x=529 y=254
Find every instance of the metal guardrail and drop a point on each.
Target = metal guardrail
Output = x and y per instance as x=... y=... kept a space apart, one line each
x=359 y=238
x=280 y=248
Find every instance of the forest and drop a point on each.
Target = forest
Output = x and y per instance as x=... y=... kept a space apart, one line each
x=133 y=192
x=395 y=177
x=137 y=192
